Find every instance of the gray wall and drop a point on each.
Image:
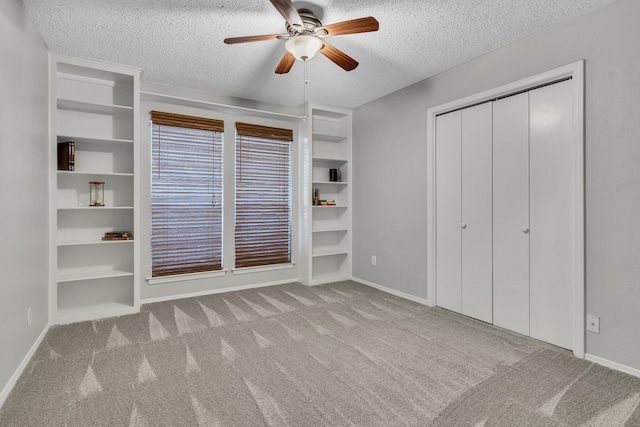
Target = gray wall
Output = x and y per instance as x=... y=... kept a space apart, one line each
x=24 y=191
x=389 y=153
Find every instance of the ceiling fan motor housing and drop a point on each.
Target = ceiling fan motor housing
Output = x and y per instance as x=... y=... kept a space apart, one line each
x=310 y=25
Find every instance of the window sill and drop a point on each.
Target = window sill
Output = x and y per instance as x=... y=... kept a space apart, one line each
x=185 y=277
x=260 y=269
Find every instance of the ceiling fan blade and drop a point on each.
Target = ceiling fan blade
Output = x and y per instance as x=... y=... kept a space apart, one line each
x=246 y=39
x=286 y=63
x=288 y=11
x=339 y=57
x=354 y=26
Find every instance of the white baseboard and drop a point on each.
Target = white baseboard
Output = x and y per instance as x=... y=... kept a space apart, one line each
x=215 y=291
x=392 y=291
x=613 y=365
x=14 y=378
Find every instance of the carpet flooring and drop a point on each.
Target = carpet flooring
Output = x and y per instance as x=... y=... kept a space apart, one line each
x=289 y=355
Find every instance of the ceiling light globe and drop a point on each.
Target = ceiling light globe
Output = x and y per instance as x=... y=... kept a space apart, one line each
x=303 y=46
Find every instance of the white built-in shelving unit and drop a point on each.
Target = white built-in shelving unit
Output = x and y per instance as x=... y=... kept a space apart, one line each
x=329 y=236
x=96 y=105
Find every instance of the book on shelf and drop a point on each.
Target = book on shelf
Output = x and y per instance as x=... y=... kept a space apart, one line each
x=66 y=155
x=118 y=235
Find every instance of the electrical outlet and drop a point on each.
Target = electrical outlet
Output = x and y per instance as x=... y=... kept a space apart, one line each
x=373 y=260
x=29 y=317
x=593 y=323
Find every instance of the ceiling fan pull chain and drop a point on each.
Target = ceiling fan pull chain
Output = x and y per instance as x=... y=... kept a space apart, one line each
x=304 y=90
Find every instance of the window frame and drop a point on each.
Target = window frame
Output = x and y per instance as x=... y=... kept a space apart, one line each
x=185 y=132
x=162 y=288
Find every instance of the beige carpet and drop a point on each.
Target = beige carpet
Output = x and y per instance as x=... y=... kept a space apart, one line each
x=337 y=354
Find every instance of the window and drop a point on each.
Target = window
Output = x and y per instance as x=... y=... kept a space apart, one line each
x=263 y=195
x=186 y=190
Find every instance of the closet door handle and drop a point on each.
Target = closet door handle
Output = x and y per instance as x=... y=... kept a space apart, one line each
x=463 y=225
x=524 y=229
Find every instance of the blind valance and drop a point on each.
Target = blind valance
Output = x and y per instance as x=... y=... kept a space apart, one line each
x=190 y=122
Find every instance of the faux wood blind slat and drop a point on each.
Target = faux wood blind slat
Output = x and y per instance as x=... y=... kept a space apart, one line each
x=263 y=195
x=186 y=208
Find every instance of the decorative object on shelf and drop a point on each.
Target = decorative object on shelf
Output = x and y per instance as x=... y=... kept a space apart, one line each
x=66 y=155
x=333 y=175
x=96 y=193
x=316 y=197
x=338 y=175
x=118 y=235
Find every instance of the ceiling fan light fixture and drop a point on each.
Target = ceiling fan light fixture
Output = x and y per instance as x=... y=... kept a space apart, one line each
x=303 y=46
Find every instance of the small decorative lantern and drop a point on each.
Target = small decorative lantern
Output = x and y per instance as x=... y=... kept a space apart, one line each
x=96 y=193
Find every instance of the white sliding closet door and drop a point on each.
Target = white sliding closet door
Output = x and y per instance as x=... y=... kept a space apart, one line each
x=511 y=213
x=552 y=214
x=448 y=211
x=508 y=207
x=463 y=213
x=477 y=275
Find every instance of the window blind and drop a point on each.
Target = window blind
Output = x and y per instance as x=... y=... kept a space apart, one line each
x=263 y=195
x=186 y=194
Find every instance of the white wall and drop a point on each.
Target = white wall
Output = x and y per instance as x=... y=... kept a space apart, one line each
x=389 y=153
x=230 y=280
x=24 y=191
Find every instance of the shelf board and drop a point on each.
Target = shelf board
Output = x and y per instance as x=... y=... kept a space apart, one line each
x=325 y=207
x=93 y=208
x=76 y=172
x=330 y=182
x=325 y=159
x=93 y=311
x=328 y=138
x=327 y=114
x=90 y=140
x=330 y=252
x=92 y=242
x=330 y=230
x=90 y=107
x=83 y=73
x=76 y=276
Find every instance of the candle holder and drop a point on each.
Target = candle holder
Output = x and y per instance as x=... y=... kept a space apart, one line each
x=96 y=193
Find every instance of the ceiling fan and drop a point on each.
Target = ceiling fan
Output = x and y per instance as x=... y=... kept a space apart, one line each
x=305 y=36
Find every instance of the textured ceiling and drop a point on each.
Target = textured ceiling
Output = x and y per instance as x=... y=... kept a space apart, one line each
x=180 y=42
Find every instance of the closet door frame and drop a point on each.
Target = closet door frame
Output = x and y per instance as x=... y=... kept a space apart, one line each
x=575 y=71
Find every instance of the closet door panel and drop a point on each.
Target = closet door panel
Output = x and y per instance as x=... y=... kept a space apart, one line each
x=448 y=205
x=511 y=213
x=477 y=219
x=552 y=223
